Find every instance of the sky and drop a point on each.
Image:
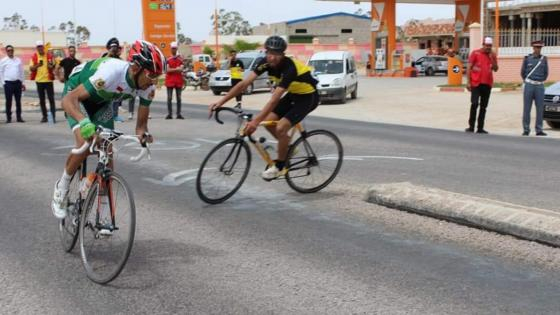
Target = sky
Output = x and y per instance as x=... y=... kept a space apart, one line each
x=123 y=18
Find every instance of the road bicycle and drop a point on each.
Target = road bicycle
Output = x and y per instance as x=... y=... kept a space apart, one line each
x=314 y=160
x=100 y=209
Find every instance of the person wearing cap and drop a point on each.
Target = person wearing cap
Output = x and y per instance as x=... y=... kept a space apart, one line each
x=174 y=81
x=534 y=72
x=41 y=67
x=482 y=62
x=12 y=78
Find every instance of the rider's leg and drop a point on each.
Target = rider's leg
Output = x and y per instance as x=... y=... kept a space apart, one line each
x=272 y=129
x=282 y=134
x=73 y=162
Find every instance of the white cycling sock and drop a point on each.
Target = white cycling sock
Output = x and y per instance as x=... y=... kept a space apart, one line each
x=64 y=180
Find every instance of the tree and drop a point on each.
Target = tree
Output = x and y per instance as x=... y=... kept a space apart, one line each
x=232 y=23
x=15 y=22
x=82 y=34
x=34 y=28
x=241 y=45
x=181 y=38
x=207 y=50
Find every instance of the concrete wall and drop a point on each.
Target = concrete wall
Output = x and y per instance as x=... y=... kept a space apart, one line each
x=270 y=29
x=510 y=68
x=28 y=38
x=328 y=30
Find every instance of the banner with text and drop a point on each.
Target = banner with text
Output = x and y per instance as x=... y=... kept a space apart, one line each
x=159 y=23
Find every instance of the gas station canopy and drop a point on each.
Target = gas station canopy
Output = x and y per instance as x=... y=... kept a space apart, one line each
x=400 y=1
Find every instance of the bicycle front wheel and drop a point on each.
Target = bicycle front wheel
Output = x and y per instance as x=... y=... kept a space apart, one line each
x=223 y=171
x=68 y=227
x=314 y=161
x=107 y=227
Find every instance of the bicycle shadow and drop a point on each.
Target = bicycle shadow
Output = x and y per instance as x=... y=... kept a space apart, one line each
x=153 y=262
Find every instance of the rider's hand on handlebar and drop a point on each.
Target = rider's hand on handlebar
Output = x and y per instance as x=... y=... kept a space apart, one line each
x=87 y=128
x=250 y=127
x=212 y=108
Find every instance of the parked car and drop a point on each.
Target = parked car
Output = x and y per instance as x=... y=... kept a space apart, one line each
x=430 y=65
x=337 y=75
x=220 y=81
x=552 y=105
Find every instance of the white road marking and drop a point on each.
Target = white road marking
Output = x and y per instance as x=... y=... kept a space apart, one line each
x=365 y=157
x=174 y=179
x=207 y=140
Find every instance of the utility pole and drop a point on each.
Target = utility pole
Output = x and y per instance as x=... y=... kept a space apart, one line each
x=217 y=35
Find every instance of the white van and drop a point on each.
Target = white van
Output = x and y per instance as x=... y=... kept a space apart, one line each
x=204 y=58
x=337 y=75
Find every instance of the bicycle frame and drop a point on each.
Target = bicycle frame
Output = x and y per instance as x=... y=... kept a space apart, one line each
x=260 y=148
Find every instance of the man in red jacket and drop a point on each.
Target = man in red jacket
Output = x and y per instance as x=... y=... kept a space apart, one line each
x=482 y=62
x=42 y=66
x=174 y=81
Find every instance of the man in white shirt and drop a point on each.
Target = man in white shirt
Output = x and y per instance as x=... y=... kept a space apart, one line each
x=11 y=77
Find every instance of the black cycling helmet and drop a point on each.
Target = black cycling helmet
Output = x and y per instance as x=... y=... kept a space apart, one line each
x=276 y=44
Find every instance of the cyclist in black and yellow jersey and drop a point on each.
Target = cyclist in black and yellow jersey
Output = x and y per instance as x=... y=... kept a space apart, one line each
x=236 y=69
x=291 y=78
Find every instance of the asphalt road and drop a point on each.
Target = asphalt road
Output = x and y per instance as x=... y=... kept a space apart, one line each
x=270 y=250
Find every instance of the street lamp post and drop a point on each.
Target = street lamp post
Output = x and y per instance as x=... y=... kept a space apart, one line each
x=217 y=34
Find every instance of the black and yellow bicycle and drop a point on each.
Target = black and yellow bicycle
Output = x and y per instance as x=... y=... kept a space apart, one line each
x=314 y=160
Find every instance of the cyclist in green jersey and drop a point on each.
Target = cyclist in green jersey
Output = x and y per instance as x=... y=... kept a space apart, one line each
x=88 y=95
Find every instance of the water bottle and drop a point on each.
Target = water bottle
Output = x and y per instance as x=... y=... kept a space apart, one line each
x=266 y=146
x=50 y=118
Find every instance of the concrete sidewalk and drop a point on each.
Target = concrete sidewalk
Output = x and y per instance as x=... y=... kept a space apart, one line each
x=400 y=101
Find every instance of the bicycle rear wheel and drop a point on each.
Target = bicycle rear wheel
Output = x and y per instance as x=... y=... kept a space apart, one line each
x=223 y=171
x=68 y=227
x=107 y=235
x=314 y=161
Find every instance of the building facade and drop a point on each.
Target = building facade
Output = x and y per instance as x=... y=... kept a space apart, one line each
x=335 y=28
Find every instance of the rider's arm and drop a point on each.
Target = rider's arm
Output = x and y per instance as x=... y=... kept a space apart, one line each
x=146 y=98
x=71 y=102
x=238 y=89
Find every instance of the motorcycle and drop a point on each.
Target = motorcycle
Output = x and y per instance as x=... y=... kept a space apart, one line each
x=197 y=79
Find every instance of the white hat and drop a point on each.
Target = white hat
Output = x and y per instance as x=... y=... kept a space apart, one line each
x=487 y=41
x=39 y=43
x=173 y=44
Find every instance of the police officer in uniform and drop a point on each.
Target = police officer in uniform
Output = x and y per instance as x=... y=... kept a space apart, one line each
x=534 y=72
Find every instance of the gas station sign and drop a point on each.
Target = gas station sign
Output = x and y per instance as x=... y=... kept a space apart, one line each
x=159 y=23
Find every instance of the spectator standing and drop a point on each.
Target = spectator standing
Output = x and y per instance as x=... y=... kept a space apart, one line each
x=11 y=77
x=41 y=66
x=534 y=72
x=236 y=69
x=482 y=62
x=66 y=65
x=174 y=81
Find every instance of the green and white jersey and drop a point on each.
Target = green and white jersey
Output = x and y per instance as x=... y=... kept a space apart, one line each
x=106 y=80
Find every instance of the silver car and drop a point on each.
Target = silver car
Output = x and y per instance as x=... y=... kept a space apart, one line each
x=220 y=81
x=430 y=65
x=552 y=105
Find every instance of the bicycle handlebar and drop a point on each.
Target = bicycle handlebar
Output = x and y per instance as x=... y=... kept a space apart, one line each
x=107 y=134
x=229 y=109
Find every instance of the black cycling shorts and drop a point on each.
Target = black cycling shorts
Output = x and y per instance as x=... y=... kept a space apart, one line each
x=295 y=107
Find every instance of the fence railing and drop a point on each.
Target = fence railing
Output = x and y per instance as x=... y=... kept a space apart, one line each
x=523 y=38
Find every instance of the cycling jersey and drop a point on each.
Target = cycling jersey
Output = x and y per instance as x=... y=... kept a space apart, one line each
x=290 y=74
x=106 y=80
x=236 y=68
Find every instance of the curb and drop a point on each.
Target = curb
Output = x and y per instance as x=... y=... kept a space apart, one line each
x=461 y=89
x=527 y=223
